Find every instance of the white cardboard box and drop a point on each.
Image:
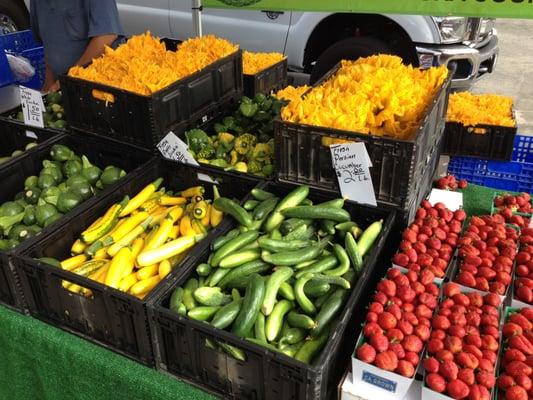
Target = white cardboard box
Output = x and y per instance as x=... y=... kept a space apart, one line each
x=350 y=391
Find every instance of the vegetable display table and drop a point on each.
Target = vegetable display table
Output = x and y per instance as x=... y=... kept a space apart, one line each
x=38 y=361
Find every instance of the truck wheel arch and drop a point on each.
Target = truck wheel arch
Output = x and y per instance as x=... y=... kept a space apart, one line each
x=336 y=27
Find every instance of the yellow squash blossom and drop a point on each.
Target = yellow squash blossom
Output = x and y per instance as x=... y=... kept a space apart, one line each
x=143 y=65
x=252 y=63
x=487 y=109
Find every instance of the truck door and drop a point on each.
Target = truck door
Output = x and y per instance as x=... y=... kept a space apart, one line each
x=253 y=30
x=138 y=16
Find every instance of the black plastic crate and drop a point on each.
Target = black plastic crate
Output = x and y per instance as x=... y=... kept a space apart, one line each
x=100 y=152
x=270 y=79
x=111 y=318
x=144 y=120
x=15 y=136
x=397 y=164
x=180 y=342
x=484 y=141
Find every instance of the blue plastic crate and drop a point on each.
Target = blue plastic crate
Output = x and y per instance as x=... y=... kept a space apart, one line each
x=523 y=149
x=506 y=175
x=21 y=43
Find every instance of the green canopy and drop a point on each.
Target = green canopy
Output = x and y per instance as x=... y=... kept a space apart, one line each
x=473 y=8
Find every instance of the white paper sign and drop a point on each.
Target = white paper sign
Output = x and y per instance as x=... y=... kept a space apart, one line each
x=32 y=107
x=173 y=148
x=351 y=164
x=452 y=200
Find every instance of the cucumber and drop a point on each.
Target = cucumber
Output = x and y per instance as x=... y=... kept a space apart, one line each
x=275 y=319
x=231 y=207
x=221 y=240
x=216 y=276
x=261 y=195
x=211 y=296
x=291 y=224
x=329 y=310
x=250 y=205
x=354 y=254
x=292 y=336
x=294 y=257
x=325 y=263
x=227 y=314
x=51 y=261
x=345 y=226
x=303 y=321
x=292 y=199
x=311 y=348
x=316 y=288
x=343 y=259
x=332 y=280
x=188 y=299
x=239 y=258
x=253 y=298
x=282 y=245
x=265 y=208
x=328 y=226
x=302 y=234
x=244 y=271
x=259 y=328
x=176 y=300
x=203 y=313
x=369 y=236
x=234 y=244
x=291 y=349
x=335 y=203
x=279 y=276
x=286 y=291
x=307 y=305
x=233 y=351
x=203 y=269
x=276 y=235
x=317 y=212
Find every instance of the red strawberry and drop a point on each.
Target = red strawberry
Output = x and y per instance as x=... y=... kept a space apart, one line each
x=524 y=381
x=388 y=287
x=444 y=355
x=453 y=344
x=467 y=360
x=492 y=299
x=467 y=376
x=379 y=342
x=486 y=379
x=436 y=382
x=511 y=329
x=412 y=358
x=517 y=368
x=434 y=345
x=371 y=329
x=449 y=370
x=412 y=343
x=441 y=322
x=366 y=353
x=397 y=348
x=516 y=393
x=479 y=392
x=505 y=381
x=405 y=368
x=457 y=389
x=387 y=360
x=386 y=320
x=431 y=365
x=519 y=319
x=423 y=332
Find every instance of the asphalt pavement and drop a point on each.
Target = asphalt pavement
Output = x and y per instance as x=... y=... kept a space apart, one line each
x=513 y=75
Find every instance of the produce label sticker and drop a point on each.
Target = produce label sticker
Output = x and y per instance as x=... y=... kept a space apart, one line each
x=379 y=381
x=173 y=148
x=352 y=167
x=32 y=107
x=452 y=200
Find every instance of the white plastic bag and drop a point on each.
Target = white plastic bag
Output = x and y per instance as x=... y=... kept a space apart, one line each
x=21 y=67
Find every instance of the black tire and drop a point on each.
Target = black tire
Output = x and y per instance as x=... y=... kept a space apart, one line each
x=17 y=12
x=347 y=49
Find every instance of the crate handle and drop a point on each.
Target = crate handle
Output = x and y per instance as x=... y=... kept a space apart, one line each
x=476 y=130
x=104 y=96
x=75 y=289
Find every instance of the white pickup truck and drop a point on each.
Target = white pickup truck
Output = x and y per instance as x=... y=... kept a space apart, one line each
x=315 y=42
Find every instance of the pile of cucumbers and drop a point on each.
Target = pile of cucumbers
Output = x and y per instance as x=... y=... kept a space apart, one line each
x=17 y=152
x=65 y=181
x=281 y=276
x=53 y=114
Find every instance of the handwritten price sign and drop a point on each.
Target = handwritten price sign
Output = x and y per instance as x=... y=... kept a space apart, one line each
x=32 y=107
x=351 y=163
x=173 y=148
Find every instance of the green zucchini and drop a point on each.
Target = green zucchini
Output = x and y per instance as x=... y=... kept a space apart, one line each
x=292 y=199
x=275 y=280
x=253 y=298
x=275 y=319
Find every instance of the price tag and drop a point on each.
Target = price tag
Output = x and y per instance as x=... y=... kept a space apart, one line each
x=351 y=164
x=452 y=200
x=32 y=107
x=173 y=148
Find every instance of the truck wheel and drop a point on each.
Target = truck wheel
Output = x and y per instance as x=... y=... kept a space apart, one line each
x=13 y=16
x=347 y=49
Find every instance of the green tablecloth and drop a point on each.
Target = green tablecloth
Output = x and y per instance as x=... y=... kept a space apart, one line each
x=38 y=361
